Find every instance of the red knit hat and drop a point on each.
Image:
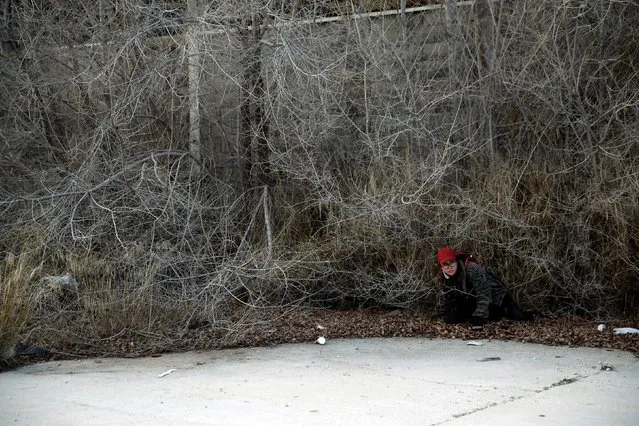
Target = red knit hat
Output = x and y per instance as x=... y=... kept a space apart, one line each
x=446 y=254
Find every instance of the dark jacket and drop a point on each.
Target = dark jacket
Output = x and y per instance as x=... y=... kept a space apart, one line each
x=473 y=281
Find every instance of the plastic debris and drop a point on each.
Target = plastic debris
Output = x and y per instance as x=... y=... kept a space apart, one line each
x=320 y=340
x=601 y=327
x=62 y=284
x=166 y=373
x=626 y=330
x=320 y=327
x=474 y=343
x=20 y=349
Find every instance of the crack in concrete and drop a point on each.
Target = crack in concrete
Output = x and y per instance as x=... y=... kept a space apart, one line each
x=562 y=382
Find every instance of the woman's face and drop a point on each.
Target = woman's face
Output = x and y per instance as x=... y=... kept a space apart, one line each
x=449 y=268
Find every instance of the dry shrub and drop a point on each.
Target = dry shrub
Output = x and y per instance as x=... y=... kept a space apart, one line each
x=353 y=150
x=115 y=297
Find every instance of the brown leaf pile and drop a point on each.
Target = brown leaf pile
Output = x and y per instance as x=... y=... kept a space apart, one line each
x=302 y=326
x=271 y=327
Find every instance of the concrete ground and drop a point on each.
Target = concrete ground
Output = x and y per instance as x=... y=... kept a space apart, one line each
x=407 y=381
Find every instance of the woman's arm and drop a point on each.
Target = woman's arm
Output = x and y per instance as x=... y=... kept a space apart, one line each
x=477 y=277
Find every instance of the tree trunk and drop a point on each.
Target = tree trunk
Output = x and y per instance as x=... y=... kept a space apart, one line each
x=253 y=123
x=452 y=27
x=193 y=52
x=485 y=62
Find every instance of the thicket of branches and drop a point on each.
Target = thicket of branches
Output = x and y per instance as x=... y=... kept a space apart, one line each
x=324 y=163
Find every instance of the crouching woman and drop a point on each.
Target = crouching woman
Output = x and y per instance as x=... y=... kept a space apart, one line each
x=473 y=293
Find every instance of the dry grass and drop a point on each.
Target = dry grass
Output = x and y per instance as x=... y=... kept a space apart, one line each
x=15 y=301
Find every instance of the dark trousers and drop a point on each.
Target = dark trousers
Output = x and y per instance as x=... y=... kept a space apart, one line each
x=462 y=308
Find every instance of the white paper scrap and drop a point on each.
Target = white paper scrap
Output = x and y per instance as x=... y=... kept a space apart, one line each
x=626 y=330
x=166 y=373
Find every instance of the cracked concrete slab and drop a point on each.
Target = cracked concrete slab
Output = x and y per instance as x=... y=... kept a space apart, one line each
x=408 y=381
